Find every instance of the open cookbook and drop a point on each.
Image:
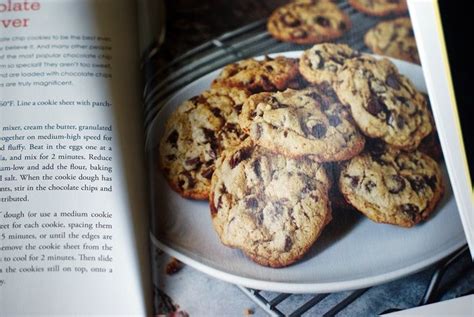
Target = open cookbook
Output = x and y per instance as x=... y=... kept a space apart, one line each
x=284 y=146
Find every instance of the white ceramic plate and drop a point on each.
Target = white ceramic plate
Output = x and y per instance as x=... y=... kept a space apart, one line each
x=352 y=252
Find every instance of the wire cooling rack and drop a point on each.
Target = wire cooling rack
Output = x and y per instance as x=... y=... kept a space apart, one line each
x=249 y=41
x=275 y=304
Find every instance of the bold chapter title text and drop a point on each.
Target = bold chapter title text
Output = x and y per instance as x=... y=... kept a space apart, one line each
x=12 y=6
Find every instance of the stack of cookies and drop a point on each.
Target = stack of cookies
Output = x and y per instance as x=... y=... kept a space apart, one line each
x=269 y=149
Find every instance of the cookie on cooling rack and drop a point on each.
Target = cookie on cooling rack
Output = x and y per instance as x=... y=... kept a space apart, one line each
x=384 y=103
x=391 y=186
x=195 y=134
x=270 y=206
x=380 y=7
x=306 y=122
x=308 y=22
x=393 y=38
x=269 y=74
x=320 y=63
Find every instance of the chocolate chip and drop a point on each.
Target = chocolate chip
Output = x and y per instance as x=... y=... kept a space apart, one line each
x=354 y=180
x=285 y=133
x=198 y=99
x=251 y=203
x=374 y=106
x=193 y=161
x=431 y=181
x=324 y=22
x=258 y=131
x=238 y=108
x=223 y=189
x=299 y=34
x=240 y=156
x=207 y=173
x=334 y=121
x=416 y=184
x=411 y=108
x=260 y=218
x=306 y=188
x=269 y=68
x=369 y=185
x=216 y=112
x=318 y=131
x=211 y=138
x=337 y=59
x=171 y=157
x=328 y=91
x=401 y=99
x=208 y=133
x=173 y=138
x=410 y=210
x=256 y=168
x=290 y=20
x=320 y=100
x=395 y=184
x=400 y=122
x=267 y=84
x=392 y=81
x=185 y=180
x=219 y=206
x=278 y=105
x=377 y=107
x=231 y=127
x=288 y=243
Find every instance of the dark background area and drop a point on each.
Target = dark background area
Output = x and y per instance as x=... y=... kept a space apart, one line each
x=459 y=33
x=193 y=22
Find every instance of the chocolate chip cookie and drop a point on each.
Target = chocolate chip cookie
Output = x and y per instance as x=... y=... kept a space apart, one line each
x=195 y=134
x=308 y=22
x=269 y=74
x=392 y=186
x=308 y=122
x=393 y=38
x=380 y=7
x=384 y=103
x=321 y=63
x=270 y=206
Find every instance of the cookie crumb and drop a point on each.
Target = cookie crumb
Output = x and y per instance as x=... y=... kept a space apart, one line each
x=248 y=312
x=174 y=266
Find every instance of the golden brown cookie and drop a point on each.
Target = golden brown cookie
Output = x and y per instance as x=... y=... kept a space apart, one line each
x=380 y=7
x=195 y=134
x=320 y=64
x=306 y=122
x=308 y=22
x=270 y=206
x=392 y=186
x=384 y=103
x=393 y=38
x=269 y=74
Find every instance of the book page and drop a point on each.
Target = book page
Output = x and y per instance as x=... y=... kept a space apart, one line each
x=73 y=235
x=447 y=69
